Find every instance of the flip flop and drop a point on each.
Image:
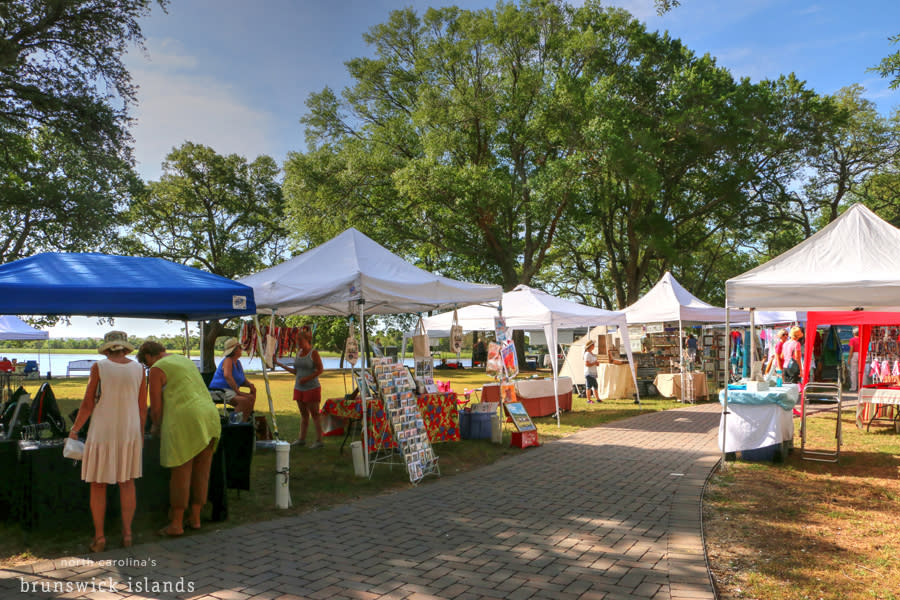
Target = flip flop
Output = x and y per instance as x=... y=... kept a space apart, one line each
x=166 y=532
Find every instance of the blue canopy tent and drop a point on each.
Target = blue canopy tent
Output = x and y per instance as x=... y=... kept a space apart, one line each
x=118 y=286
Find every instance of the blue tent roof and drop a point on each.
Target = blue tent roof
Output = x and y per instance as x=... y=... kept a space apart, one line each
x=118 y=286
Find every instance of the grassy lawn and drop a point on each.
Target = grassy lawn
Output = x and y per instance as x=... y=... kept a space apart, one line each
x=319 y=478
x=810 y=530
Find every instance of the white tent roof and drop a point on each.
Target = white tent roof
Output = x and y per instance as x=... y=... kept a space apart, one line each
x=527 y=309
x=332 y=279
x=530 y=309
x=14 y=328
x=851 y=263
x=668 y=301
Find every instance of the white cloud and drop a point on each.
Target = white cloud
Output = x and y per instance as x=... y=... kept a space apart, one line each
x=178 y=101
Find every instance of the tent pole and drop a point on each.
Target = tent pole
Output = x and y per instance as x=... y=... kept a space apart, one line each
x=752 y=341
x=727 y=378
x=187 y=341
x=554 y=360
x=262 y=359
x=362 y=388
x=681 y=364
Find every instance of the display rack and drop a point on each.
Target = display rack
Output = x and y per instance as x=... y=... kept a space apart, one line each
x=398 y=395
x=715 y=362
x=664 y=349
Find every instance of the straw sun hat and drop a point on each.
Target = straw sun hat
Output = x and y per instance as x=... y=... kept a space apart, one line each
x=230 y=345
x=115 y=340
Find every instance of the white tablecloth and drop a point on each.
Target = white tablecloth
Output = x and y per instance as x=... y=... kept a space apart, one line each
x=875 y=396
x=669 y=384
x=538 y=388
x=752 y=426
x=614 y=381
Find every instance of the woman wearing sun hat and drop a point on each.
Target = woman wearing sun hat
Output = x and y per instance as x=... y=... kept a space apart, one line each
x=230 y=378
x=116 y=402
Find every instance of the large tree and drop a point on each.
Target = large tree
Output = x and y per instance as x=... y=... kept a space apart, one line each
x=452 y=145
x=218 y=213
x=64 y=99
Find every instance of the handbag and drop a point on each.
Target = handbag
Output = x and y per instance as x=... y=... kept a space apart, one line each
x=73 y=449
x=421 y=344
x=792 y=370
x=456 y=336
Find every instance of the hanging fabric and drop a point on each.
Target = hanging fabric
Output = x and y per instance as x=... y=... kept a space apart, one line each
x=456 y=335
x=421 y=344
x=351 y=347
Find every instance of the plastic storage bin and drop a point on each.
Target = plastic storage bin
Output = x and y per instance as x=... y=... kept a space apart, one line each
x=480 y=426
x=465 y=424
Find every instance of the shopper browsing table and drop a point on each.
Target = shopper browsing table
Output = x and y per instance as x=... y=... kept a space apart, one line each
x=187 y=423
x=115 y=439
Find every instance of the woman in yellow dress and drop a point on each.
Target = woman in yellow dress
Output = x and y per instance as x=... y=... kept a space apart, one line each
x=185 y=418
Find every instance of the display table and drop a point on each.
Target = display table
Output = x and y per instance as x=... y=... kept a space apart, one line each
x=669 y=384
x=614 y=381
x=758 y=419
x=536 y=395
x=44 y=491
x=878 y=403
x=439 y=412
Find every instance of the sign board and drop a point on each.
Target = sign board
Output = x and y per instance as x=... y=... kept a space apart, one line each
x=655 y=328
x=519 y=416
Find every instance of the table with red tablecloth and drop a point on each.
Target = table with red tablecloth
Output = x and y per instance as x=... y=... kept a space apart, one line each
x=439 y=412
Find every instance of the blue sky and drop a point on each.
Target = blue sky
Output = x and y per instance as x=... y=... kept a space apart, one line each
x=234 y=75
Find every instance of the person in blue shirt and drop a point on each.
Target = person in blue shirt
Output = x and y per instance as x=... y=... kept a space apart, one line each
x=230 y=378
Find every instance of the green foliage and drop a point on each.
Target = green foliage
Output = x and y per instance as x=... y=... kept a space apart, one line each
x=219 y=213
x=65 y=164
x=890 y=65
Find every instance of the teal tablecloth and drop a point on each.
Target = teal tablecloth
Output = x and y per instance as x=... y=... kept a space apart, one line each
x=785 y=397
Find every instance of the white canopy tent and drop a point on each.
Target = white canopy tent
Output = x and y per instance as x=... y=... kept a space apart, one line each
x=529 y=309
x=849 y=265
x=351 y=274
x=667 y=302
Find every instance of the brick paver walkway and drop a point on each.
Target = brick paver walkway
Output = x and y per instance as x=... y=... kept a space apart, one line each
x=610 y=513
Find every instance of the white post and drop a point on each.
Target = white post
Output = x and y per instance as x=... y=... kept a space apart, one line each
x=727 y=378
x=187 y=340
x=752 y=341
x=362 y=388
x=680 y=356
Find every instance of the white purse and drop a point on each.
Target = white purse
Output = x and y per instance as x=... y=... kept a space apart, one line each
x=73 y=449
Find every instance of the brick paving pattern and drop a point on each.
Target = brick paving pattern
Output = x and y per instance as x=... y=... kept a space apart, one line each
x=610 y=513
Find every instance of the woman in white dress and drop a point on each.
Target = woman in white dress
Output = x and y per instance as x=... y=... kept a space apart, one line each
x=116 y=398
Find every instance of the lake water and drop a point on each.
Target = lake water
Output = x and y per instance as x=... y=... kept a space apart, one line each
x=56 y=363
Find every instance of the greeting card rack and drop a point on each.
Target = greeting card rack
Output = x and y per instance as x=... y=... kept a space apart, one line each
x=398 y=395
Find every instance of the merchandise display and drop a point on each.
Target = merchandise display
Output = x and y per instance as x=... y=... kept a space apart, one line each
x=397 y=390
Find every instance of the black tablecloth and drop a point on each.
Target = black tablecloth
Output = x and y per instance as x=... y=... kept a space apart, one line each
x=43 y=490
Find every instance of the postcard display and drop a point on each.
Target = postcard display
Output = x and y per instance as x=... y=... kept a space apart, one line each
x=398 y=394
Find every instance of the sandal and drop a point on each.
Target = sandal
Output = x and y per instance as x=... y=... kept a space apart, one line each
x=98 y=545
x=126 y=541
x=166 y=532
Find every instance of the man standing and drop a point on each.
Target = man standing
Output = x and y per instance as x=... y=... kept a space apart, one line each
x=590 y=372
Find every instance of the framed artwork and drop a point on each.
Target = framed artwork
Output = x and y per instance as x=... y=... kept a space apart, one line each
x=519 y=416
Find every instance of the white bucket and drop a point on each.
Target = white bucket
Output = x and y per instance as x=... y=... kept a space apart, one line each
x=496 y=431
x=282 y=475
x=359 y=461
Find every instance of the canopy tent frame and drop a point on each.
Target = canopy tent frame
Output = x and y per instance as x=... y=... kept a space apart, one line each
x=850 y=265
x=526 y=308
x=352 y=274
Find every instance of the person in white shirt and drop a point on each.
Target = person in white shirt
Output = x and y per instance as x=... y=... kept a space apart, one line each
x=590 y=372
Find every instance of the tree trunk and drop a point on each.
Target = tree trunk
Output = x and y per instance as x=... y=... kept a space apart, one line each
x=213 y=330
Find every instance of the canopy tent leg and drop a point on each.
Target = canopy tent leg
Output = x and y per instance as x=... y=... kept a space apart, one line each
x=727 y=379
x=681 y=365
x=187 y=340
x=364 y=399
x=259 y=351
